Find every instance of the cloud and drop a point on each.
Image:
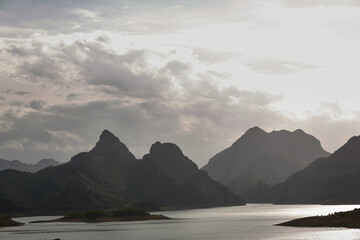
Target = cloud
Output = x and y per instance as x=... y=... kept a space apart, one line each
x=314 y=3
x=177 y=68
x=126 y=73
x=67 y=16
x=22 y=93
x=43 y=68
x=202 y=116
x=86 y=14
x=16 y=103
x=73 y=96
x=36 y=104
x=51 y=127
x=212 y=57
x=91 y=65
x=275 y=66
x=94 y=87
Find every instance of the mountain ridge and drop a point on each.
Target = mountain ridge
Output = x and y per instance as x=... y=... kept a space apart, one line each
x=26 y=167
x=109 y=177
x=261 y=156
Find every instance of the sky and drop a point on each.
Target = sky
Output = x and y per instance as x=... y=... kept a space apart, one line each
x=195 y=73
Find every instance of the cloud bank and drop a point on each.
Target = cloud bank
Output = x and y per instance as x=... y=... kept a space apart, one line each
x=68 y=72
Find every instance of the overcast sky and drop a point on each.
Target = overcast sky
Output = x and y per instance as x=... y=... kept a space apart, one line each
x=196 y=73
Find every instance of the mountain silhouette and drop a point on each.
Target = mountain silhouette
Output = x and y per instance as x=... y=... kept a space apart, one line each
x=330 y=180
x=169 y=177
x=109 y=176
x=258 y=156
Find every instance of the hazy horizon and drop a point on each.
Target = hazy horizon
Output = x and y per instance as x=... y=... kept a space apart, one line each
x=195 y=73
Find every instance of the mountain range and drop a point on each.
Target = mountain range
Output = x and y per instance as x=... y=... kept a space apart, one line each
x=328 y=180
x=275 y=167
x=25 y=167
x=109 y=176
x=259 y=156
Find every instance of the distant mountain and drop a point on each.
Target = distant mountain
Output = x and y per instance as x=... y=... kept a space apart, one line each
x=109 y=176
x=25 y=167
x=258 y=156
x=331 y=180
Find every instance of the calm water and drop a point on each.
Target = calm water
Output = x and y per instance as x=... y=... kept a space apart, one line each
x=254 y=221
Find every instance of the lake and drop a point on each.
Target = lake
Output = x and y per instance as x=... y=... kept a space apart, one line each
x=253 y=221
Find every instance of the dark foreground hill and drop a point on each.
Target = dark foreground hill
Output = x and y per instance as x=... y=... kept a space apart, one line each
x=25 y=167
x=331 y=180
x=110 y=177
x=349 y=219
x=258 y=156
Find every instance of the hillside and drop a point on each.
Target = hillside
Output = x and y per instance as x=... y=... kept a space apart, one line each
x=330 y=180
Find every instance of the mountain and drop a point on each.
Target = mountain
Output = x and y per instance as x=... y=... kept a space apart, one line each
x=24 y=167
x=258 y=156
x=169 y=177
x=330 y=180
x=94 y=179
x=109 y=176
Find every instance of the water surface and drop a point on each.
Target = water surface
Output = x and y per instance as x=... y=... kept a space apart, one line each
x=253 y=221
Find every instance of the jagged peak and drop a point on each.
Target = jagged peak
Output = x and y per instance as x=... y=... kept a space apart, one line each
x=352 y=145
x=255 y=130
x=106 y=134
x=300 y=131
x=168 y=147
x=281 y=131
x=108 y=144
x=171 y=162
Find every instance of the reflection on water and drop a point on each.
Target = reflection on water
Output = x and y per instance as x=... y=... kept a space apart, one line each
x=254 y=221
